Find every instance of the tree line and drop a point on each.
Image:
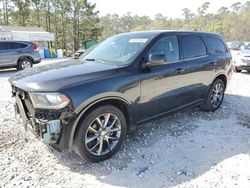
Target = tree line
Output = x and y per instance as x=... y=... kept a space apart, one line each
x=75 y=21
x=232 y=22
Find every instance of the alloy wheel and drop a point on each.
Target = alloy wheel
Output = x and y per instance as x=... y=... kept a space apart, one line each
x=25 y=65
x=103 y=134
x=217 y=95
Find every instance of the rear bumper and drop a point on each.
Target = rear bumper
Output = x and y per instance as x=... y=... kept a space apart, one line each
x=242 y=63
x=38 y=60
x=242 y=67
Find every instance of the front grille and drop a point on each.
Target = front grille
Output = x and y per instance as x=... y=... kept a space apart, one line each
x=45 y=114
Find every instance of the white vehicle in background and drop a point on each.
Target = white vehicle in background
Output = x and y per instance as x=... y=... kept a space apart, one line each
x=79 y=53
x=242 y=59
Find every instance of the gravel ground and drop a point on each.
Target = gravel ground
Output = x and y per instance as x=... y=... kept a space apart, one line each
x=188 y=149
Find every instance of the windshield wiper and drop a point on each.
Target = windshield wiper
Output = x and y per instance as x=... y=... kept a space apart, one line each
x=97 y=60
x=90 y=59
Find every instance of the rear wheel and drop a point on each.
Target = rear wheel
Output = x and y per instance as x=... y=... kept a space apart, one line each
x=24 y=64
x=100 y=134
x=215 y=96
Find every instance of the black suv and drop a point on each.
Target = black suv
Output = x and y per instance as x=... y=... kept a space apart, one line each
x=89 y=105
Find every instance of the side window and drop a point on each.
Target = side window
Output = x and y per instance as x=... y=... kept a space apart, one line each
x=5 y=46
x=193 y=46
x=216 y=45
x=16 y=45
x=11 y=45
x=169 y=47
x=2 y=44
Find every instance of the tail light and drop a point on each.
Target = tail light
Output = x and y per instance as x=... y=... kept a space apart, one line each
x=35 y=47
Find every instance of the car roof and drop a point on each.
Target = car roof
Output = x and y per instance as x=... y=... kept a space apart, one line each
x=16 y=41
x=158 y=32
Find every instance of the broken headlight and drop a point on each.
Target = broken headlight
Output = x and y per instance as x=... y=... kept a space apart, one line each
x=49 y=100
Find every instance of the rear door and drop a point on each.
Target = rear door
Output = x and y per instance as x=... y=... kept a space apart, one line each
x=219 y=52
x=199 y=65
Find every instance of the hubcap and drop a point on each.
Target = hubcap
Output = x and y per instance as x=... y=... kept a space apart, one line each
x=103 y=134
x=217 y=95
x=26 y=65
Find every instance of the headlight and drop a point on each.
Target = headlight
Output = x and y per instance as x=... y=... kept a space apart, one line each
x=49 y=100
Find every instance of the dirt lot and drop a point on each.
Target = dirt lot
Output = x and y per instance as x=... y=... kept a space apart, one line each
x=188 y=149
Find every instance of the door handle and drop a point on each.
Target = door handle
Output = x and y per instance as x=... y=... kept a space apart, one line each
x=179 y=70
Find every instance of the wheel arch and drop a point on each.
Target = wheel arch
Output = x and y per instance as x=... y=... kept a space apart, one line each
x=118 y=102
x=24 y=57
x=223 y=78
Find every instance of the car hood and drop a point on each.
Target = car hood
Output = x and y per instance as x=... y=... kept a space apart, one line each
x=55 y=77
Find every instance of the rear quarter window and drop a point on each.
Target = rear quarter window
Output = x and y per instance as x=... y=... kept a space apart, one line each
x=216 y=45
x=193 y=46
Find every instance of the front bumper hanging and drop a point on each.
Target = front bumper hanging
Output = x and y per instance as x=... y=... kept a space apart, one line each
x=45 y=124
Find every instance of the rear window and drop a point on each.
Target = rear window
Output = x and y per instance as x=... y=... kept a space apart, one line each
x=193 y=46
x=12 y=45
x=216 y=45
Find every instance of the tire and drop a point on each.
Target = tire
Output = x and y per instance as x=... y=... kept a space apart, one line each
x=24 y=64
x=215 y=96
x=236 y=70
x=91 y=132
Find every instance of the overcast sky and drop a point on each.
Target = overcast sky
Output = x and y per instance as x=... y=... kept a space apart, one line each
x=169 y=8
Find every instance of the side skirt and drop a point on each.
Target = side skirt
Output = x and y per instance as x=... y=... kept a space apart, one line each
x=180 y=108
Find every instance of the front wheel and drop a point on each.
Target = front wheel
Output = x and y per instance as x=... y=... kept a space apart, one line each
x=100 y=134
x=215 y=96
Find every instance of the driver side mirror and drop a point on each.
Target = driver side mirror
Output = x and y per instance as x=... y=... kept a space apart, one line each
x=156 y=59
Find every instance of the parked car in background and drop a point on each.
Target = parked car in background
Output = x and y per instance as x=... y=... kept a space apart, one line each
x=236 y=45
x=242 y=60
x=19 y=54
x=90 y=105
x=79 y=53
x=85 y=46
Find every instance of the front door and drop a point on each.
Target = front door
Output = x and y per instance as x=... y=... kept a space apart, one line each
x=164 y=87
x=8 y=54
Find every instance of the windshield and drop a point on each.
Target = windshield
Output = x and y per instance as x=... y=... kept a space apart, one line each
x=117 y=49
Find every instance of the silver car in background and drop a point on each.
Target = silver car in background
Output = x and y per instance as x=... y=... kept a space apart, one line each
x=242 y=59
x=18 y=54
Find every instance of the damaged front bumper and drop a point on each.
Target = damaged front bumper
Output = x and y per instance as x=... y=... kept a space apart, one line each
x=51 y=126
